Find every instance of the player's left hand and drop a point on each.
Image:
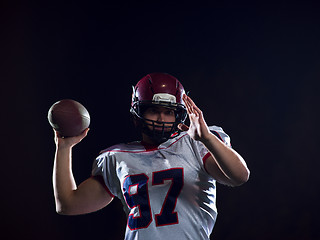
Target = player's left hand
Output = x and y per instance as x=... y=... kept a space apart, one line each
x=198 y=129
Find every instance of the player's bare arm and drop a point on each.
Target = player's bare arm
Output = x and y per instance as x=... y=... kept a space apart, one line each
x=224 y=164
x=71 y=199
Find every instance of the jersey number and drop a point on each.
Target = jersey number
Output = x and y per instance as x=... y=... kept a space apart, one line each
x=135 y=188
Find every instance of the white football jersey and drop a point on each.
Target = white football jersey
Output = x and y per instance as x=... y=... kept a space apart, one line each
x=166 y=191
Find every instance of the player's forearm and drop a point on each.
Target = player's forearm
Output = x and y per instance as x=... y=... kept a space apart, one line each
x=230 y=162
x=63 y=180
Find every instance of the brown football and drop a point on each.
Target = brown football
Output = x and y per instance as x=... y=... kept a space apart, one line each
x=69 y=117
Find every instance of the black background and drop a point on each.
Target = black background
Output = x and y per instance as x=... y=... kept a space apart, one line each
x=252 y=68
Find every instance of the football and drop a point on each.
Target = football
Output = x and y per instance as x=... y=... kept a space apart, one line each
x=68 y=117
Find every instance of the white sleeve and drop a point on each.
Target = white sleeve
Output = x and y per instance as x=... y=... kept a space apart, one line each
x=220 y=134
x=103 y=169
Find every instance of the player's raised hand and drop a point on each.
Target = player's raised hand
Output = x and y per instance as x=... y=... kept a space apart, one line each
x=69 y=141
x=198 y=129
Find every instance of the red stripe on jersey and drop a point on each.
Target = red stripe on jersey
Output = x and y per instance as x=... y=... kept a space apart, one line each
x=219 y=137
x=146 y=150
x=204 y=159
x=101 y=181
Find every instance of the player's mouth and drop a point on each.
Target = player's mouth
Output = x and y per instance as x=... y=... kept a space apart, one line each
x=165 y=128
x=158 y=126
x=160 y=129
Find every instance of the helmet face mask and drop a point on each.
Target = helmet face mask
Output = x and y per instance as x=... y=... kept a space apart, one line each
x=158 y=90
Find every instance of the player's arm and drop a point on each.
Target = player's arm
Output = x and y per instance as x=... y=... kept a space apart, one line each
x=224 y=164
x=71 y=199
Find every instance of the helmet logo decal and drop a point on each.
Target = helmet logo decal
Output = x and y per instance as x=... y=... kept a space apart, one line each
x=164 y=97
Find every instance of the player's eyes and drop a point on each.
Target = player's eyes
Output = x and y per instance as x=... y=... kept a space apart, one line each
x=170 y=112
x=153 y=110
x=157 y=111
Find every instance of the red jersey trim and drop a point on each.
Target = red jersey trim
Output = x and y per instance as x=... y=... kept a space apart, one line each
x=101 y=181
x=204 y=159
x=153 y=148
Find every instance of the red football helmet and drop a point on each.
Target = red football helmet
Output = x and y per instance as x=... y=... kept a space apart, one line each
x=158 y=89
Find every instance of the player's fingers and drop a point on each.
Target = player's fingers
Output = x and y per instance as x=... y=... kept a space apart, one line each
x=187 y=103
x=188 y=108
x=57 y=136
x=197 y=110
x=194 y=107
x=191 y=102
x=56 y=133
x=83 y=134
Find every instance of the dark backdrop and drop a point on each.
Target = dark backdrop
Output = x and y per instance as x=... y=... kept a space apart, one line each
x=252 y=69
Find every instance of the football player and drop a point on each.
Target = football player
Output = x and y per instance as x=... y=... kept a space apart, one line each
x=166 y=181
